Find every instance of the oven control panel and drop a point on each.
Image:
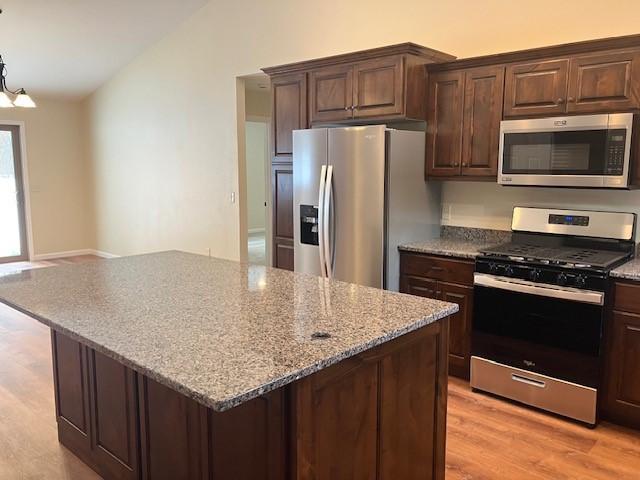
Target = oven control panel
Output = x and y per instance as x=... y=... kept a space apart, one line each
x=575 y=220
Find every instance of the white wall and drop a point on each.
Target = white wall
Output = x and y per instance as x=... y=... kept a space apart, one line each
x=57 y=173
x=257 y=156
x=164 y=134
x=489 y=205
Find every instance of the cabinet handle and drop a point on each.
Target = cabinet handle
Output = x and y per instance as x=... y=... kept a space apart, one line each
x=438 y=294
x=437 y=269
x=464 y=164
x=560 y=101
x=353 y=107
x=347 y=108
x=571 y=99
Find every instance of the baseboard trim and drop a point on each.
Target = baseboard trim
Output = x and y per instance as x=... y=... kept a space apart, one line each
x=72 y=253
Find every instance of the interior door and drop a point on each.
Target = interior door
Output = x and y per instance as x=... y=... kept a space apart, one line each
x=13 y=239
x=357 y=230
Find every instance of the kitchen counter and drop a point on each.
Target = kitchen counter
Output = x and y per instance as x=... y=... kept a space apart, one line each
x=628 y=271
x=217 y=331
x=174 y=365
x=458 y=242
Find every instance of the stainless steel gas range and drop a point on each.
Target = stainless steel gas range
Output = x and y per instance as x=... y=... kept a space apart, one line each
x=539 y=304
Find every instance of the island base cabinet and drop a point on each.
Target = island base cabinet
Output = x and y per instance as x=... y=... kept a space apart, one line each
x=380 y=414
x=96 y=408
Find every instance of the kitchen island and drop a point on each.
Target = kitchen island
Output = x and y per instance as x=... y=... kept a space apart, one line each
x=180 y=366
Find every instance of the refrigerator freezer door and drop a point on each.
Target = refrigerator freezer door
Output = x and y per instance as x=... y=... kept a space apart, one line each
x=309 y=158
x=357 y=206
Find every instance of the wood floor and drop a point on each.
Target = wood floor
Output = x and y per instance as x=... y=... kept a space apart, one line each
x=488 y=438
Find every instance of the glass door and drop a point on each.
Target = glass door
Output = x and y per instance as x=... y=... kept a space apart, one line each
x=13 y=239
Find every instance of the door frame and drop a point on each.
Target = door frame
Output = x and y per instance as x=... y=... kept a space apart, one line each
x=24 y=173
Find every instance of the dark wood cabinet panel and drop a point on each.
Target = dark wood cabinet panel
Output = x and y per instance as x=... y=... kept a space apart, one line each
x=379 y=87
x=622 y=397
x=282 y=202
x=71 y=394
x=606 y=82
x=331 y=90
x=289 y=93
x=172 y=443
x=406 y=406
x=450 y=280
x=114 y=420
x=444 y=123
x=248 y=442
x=537 y=88
x=459 y=327
x=483 y=100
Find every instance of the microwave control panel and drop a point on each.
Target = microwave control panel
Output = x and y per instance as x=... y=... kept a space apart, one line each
x=616 y=143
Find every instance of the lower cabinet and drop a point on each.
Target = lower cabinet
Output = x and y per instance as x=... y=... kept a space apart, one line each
x=450 y=280
x=282 y=204
x=621 y=402
x=96 y=408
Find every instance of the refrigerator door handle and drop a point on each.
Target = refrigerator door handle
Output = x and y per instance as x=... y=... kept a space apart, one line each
x=328 y=257
x=321 y=228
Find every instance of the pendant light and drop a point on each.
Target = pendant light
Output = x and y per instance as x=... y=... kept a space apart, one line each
x=21 y=98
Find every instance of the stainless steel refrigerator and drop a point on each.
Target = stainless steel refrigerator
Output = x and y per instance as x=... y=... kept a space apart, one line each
x=358 y=193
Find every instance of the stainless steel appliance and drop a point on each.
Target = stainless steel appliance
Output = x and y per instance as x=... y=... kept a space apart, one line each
x=539 y=307
x=577 y=151
x=358 y=193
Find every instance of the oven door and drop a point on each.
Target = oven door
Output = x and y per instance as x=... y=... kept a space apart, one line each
x=539 y=328
x=580 y=151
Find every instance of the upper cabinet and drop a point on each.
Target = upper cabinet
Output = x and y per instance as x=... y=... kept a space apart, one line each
x=464 y=110
x=607 y=82
x=331 y=93
x=593 y=83
x=289 y=111
x=537 y=88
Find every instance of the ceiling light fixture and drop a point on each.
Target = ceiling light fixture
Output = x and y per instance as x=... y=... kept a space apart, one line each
x=22 y=99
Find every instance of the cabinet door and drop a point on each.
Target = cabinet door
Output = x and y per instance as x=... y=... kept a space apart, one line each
x=622 y=402
x=71 y=387
x=604 y=83
x=282 y=185
x=538 y=88
x=331 y=94
x=483 y=99
x=173 y=444
x=289 y=111
x=378 y=87
x=114 y=418
x=459 y=327
x=419 y=286
x=444 y=123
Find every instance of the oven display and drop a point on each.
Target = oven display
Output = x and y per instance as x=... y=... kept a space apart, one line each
x=576 y=220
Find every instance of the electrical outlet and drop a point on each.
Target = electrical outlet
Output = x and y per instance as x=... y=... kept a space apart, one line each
x=233 y=197
x=446 y=212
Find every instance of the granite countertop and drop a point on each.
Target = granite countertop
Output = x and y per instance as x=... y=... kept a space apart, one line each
x=218 y=331
x=628 y=271
x=459 y=242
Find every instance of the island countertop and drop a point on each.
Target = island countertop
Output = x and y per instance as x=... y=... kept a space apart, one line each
x=217 y=331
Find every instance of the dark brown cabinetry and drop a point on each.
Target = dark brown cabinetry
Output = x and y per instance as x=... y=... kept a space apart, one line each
x=463 y=122
x=621 y=401
x=96 y=408
x=450 y=280
x=282 y=201
x=331 y=93
x=379 y=414
x=598 y=83
x=289 y=111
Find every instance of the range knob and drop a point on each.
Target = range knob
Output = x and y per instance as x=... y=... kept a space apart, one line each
x=581 y=281
x=562 y=279
x=508 y=270
x=493 y=268
x=534 y=275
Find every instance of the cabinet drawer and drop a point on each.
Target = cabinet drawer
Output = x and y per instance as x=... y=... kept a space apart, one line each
x=627 y=297
x=450 y=270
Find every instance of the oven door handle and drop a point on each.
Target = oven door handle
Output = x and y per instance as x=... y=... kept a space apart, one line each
x=522 y=286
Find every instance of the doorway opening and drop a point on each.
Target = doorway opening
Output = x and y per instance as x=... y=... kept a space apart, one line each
x=257 y=113
x=13 y=225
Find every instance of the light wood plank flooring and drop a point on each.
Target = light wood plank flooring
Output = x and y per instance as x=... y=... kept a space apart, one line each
x=488 y=438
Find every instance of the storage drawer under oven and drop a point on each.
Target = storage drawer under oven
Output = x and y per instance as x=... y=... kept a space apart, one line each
x=548 y=393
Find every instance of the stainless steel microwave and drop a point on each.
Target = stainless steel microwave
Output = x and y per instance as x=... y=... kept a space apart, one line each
x=579 y=151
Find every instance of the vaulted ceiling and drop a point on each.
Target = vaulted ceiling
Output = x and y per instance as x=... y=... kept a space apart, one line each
x=68 y=48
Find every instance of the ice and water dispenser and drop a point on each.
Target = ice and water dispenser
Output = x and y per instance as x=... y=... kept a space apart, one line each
x=309 y=224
